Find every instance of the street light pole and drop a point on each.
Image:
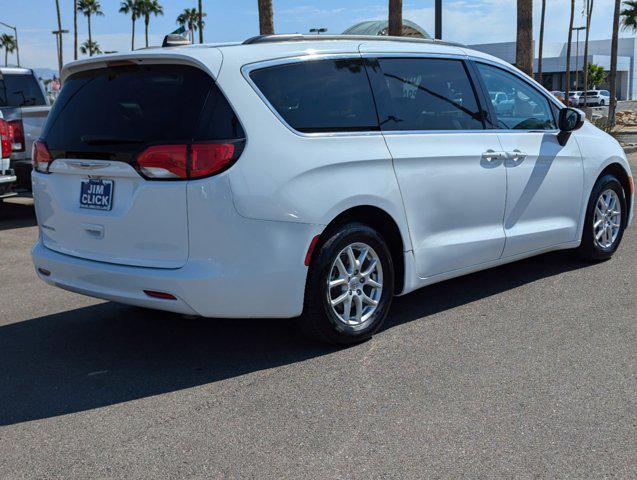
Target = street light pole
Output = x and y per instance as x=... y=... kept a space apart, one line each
x=17 y=46
x=577 y=29
x=438 y=15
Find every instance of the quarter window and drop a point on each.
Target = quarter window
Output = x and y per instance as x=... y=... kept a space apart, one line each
x=517 y=105
x=320 y=96
x=427 y=94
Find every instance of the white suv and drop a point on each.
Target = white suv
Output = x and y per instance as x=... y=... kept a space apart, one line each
x=315 y=177
x=595 y=98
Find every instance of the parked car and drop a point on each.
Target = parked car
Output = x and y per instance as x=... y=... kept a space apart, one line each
x=595 y=98
x=559 y=95
x=573 y=98
x=311 y=176
x=25 y=108
x=7 y=177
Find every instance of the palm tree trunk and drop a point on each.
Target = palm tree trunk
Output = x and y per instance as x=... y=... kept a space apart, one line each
x=266 y=17
x=567 y=90
x=200 y=21
x=541 y=43
x=6 y=56
x=612 y=77
x=60 y=55
x=524 y=43
x=75 y=29
x=90 y=37
x=589 y=11
x=146 y=21
x=395 y=20
x=132 y=41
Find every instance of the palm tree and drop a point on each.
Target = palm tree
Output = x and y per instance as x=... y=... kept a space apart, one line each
x=612 y=77
x=266 y=17
x=74 y=29
x=9 y=44
x=90 y=47
x=130 y=7
x=395 y=20
x=60 y=56
x=541 y=43
x=89 y=8
x=629 y=15
x=189 y=18
x=589 y=12
x=148 y=8
x=524 y=42
x=567 y=90
x=200 y=21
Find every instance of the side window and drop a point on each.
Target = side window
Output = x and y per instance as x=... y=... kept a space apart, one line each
x=320 y=96
x=427 y=94
x=518 y=106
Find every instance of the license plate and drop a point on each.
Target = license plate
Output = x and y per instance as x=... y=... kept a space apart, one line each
x=96 y=194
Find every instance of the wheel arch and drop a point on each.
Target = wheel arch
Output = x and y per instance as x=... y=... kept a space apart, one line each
x=381 y=221
x=617 y=170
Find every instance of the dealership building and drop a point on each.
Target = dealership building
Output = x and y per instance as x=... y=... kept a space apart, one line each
x=554 y=63
x=553 y=57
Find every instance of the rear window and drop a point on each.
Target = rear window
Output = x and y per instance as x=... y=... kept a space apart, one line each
x=20 y=90
x=592 y=92
x=320 y=96
x=113 y=113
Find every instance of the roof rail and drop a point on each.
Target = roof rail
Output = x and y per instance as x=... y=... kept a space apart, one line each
x=299 y=37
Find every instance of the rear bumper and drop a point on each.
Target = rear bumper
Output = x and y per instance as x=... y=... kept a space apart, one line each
x=273 y=288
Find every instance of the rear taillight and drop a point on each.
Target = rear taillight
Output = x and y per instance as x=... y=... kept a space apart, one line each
x=198 y=160
x=5 y=140
x=164 y=161
x=16 y=133
x=40 y=157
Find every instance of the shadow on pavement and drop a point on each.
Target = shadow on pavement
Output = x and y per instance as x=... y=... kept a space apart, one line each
x=105 y=354
x=17 y=213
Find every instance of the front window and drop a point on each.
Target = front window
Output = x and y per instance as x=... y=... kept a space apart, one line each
x=524 y=108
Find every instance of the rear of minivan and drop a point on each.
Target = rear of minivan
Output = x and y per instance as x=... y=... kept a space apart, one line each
x=131 y=192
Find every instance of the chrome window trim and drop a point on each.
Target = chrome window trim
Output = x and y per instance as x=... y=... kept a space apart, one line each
x=250 y=67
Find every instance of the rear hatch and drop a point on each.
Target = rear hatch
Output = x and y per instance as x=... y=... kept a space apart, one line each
x=97 y=201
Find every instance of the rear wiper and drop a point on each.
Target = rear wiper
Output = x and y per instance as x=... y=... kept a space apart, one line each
x=105 y=140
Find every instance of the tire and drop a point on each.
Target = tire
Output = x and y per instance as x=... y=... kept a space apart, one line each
x=591 y=247
x=602 y=103
x=324 y=322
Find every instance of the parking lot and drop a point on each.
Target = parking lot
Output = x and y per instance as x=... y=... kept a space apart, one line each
x=527 y=370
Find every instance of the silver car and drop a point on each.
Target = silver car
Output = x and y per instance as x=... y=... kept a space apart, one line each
x=594 y=98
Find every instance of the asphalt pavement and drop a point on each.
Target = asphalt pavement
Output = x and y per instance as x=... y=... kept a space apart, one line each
x=522 y=371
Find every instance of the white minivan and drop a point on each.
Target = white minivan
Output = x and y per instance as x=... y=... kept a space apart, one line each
x=311 y=177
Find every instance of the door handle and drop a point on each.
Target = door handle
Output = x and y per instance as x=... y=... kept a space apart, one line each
x=491 y=155
x=517 y=155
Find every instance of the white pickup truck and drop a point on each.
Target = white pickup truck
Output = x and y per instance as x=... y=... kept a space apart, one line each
x=25 y=107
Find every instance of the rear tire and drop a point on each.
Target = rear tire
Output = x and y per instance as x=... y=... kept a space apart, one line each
x=355 y=260
x=605 y=220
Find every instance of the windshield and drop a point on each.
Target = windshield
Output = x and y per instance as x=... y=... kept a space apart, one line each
x=20 y=90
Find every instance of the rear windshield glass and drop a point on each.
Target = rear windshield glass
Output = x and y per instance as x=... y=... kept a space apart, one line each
x=320 y=96
x=116 y=112
x=20 y=90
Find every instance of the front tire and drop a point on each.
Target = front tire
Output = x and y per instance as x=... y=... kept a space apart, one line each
x=350 y=286
x=605 y=221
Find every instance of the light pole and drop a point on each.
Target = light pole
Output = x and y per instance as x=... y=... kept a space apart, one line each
x=438 y=15
x=318 y=30
x=577 y=29
x=17 y=47
x=58 y=40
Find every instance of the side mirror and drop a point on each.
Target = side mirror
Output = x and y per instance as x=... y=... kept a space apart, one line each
x=570 y=119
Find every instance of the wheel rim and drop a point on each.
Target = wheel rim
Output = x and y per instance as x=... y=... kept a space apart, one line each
x=607 y=219
x=355 y=284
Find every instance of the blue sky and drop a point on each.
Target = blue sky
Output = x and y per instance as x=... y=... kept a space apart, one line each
x=466 y=21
